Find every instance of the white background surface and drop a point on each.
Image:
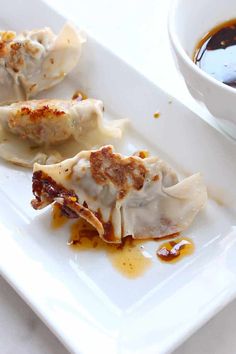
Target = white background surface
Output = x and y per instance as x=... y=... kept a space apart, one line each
x=136 y=31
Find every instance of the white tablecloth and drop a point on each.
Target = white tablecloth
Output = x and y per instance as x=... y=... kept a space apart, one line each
x=135 y=30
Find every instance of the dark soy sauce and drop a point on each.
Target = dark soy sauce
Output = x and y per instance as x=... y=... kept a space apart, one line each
x=216 y=53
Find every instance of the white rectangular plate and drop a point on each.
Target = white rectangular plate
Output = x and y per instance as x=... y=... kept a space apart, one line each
x=80 y=296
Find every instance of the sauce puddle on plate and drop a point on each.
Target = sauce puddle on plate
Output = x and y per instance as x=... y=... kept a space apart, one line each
x=129 y=258
x=174 y=250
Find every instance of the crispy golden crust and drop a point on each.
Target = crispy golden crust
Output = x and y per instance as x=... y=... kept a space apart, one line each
x=5 y=38
x=29 y=118
x=124 y=173
x=15 y=58
x=38 y=113
x=3 y=49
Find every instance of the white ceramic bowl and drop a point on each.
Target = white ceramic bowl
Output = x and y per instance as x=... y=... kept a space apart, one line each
x=189 y=21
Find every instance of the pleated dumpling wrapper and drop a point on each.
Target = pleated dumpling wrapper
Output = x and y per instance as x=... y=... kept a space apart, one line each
x=120 y=195
x=49 y=131
x=33 y=61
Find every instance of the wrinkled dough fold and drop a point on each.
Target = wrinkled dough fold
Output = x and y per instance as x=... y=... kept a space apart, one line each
x=127 y=195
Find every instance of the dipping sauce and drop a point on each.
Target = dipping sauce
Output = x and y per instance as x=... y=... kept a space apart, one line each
x=174 y=250
x=216 y=53
x=130 y=257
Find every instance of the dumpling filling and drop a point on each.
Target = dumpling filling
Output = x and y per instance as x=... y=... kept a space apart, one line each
x=120 y=195
x=48 y=131
x=33 y=61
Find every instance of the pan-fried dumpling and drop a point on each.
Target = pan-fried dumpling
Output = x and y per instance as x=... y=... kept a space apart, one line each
x=33 y=61
x=120 y=195
x=48 y=131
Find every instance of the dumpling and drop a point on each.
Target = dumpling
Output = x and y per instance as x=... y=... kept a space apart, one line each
x=120 y=195
x=33 y=61
x=48 y=131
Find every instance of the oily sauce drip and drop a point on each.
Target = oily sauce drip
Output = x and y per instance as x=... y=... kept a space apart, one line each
x=216 y=53
x=84 y=236
x=129 y=258
x=174 y=250
x=58 y=218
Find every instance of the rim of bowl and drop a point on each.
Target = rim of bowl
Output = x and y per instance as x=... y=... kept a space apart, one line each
x=179 y=48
